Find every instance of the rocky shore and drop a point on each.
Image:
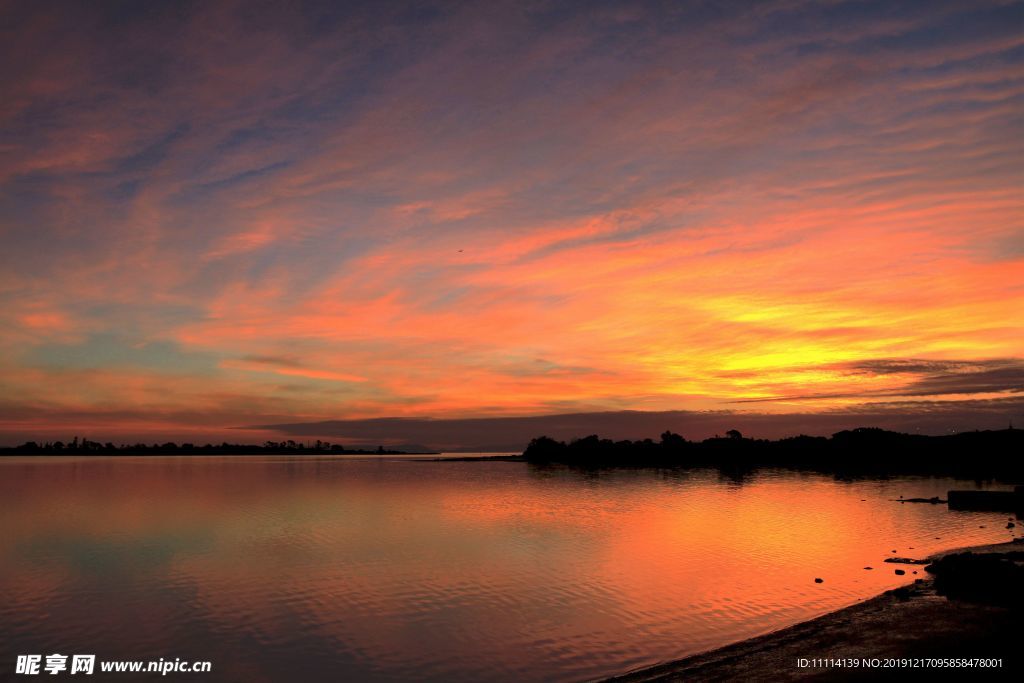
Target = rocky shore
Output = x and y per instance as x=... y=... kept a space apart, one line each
x=970 y=604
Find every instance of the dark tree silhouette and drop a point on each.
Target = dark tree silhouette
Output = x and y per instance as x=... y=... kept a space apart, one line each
x=855 y=452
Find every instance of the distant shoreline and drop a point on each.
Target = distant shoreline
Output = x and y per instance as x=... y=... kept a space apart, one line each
x=92 y=448
x=478 y=458
x=865 y=451
x=911 y=621
x=856 y=453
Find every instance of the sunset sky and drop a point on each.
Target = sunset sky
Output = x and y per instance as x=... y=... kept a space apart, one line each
x=219 y=214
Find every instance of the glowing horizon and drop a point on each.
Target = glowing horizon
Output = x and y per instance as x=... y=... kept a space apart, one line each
x=217 y=216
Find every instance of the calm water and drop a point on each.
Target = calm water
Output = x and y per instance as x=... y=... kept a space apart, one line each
x=317 y=569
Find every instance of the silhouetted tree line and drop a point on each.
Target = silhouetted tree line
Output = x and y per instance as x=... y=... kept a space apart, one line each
x=85 y=446
x=862 y=451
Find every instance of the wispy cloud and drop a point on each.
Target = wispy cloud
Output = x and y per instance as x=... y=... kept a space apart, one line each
x=924 y=378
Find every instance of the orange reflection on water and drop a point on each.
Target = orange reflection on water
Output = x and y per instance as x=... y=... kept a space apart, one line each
x=384 y=569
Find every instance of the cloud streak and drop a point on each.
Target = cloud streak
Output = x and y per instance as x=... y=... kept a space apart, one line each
x=927 y=378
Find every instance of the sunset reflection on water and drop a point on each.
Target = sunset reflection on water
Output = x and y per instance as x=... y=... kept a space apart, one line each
x=384 y=569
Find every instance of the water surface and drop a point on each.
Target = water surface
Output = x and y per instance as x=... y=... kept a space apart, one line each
x=341 y=568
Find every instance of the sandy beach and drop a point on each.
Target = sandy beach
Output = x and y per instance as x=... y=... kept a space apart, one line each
x=904 y=623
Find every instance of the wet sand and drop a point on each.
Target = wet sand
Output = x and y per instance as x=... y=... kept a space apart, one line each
x=909 y=622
